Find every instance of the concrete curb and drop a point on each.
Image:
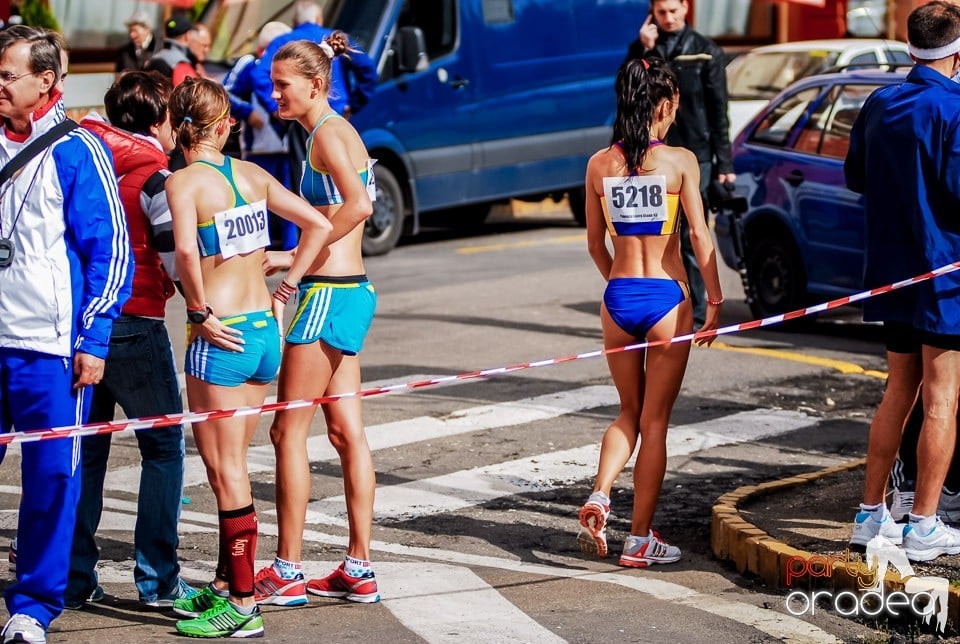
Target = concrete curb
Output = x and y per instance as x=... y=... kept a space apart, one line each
x=752 y=550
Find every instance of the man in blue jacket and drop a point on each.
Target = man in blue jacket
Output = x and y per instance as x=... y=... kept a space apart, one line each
x=904 y=157
x=64 y=275
x=349 y=92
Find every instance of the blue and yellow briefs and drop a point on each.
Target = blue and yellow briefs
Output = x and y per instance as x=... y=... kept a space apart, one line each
x=259 y=361
x=636 y=304
x=336 y=310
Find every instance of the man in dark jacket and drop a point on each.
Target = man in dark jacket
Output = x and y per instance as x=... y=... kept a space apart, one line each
x=175 y=60
x=701 y=124
x=142 y=45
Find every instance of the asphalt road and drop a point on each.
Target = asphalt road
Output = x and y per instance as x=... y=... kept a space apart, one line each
x=479 y=482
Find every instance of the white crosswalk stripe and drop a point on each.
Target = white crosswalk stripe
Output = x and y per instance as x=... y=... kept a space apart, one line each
x=442 y=595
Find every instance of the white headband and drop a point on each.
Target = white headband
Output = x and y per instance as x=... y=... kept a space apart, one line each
x=328 y=50
x=935 y=54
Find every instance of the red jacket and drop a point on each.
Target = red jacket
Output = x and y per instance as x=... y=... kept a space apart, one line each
x=134 y=162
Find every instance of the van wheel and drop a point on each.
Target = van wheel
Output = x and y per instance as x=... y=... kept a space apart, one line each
x=578 y=205
x=776 y=277
x=384 y=226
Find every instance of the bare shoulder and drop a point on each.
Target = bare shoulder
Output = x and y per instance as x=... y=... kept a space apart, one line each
x=607 y=162
x=683 y=157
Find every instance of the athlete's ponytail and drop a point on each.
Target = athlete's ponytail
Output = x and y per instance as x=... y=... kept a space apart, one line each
x=641 y=85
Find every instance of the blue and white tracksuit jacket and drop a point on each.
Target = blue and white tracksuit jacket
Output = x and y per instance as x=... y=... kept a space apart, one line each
x=71 y=274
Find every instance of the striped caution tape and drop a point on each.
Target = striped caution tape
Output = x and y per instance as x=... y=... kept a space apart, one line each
x=137 y=424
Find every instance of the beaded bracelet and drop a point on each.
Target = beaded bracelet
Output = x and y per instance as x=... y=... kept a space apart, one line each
x=284 y=291
x=715 y=302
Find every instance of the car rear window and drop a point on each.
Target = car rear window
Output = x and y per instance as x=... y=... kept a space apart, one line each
x=764 y=75
x=827 y=131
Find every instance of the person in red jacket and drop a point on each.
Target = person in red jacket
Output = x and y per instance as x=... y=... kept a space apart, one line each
x=139 y=375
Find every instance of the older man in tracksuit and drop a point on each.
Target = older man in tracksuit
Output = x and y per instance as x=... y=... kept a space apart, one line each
x=64 y=275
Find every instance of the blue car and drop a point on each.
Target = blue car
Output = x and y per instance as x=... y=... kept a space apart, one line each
x=801 y=238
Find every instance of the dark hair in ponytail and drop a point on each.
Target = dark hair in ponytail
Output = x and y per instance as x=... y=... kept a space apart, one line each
x=641 y=85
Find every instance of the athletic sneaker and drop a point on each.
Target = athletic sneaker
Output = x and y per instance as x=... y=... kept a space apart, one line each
x=223 y=620
x=340 y=584
x=205 y=599
x=12 y=556
x=941 y=540
x=23 y=628
x=654 y=551
x=182 y=590
x=865 y=528
x=592 y=539
x=901 y=505
x=949 y=507
x=96 y=596
x=270 y=588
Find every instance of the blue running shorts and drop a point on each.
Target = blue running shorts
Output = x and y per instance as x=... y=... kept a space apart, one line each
x=337 y=310
x=636 y=304
x=259 y=361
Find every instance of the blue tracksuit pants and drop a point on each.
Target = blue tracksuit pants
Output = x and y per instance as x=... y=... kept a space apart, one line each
x=36 y=392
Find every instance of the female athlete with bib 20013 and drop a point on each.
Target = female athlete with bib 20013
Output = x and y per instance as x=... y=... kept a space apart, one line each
x=219 y=207
x=636 y=191
x=335 y=308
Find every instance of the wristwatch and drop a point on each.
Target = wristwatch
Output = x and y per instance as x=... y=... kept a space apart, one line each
x=200 y=316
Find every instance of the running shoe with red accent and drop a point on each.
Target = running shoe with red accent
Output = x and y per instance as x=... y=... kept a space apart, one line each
x=592 y=539
x=270 y=588
x=653 y=551
x=340 y=584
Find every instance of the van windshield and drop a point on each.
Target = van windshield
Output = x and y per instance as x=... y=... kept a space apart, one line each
x=359 y=20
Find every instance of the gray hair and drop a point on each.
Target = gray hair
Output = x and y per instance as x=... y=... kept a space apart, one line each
x=270 y=31
x=45 y=46
x=305 y=11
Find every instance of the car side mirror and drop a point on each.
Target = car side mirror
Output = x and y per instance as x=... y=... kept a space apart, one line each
x=411 y=50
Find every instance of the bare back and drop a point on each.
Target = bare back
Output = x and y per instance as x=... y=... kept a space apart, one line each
x=644 y=255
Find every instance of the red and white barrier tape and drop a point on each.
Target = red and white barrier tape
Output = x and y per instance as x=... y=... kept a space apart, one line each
x=153 y=422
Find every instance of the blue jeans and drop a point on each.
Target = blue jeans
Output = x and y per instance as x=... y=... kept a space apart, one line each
x=140 y=376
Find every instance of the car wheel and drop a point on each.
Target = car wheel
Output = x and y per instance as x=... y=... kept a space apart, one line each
x=776 y=277
x=577 y=199
x=383 y=228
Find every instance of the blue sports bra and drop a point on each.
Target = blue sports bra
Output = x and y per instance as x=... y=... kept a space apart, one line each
x=244 y=224
x=317 y=186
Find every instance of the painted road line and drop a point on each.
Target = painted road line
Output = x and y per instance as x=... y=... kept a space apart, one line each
x=565 y=239
x=791 y=356
x=543 y=472
x=781 y=626
x=394 y=434
x=439 y=602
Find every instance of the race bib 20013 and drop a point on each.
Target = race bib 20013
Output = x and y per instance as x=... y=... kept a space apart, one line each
x=242 y=229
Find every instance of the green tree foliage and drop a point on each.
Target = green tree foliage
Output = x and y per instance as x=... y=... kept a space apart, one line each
x=36 y=13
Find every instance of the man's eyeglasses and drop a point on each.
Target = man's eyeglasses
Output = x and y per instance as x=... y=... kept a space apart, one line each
x=7 y=77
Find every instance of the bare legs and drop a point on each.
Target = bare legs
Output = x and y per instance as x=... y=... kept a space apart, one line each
x=903 y=384
x=941 y=385
x=645 y=406
x=223 y=447
x=310 y=371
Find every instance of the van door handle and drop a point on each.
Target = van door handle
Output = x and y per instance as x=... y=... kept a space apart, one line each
x=795 y=178
x=459 y=83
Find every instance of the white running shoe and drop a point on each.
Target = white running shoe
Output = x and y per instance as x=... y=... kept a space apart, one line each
x=901 y=504
x=865 y=528
x=23 y=628
x=592 y=539
x=654 y=550
x=941 y=540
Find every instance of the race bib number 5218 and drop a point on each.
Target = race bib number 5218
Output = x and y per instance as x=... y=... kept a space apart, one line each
x=636 y=199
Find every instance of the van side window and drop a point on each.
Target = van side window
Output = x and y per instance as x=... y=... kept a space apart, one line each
x=498 y=12
x=437 y=19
